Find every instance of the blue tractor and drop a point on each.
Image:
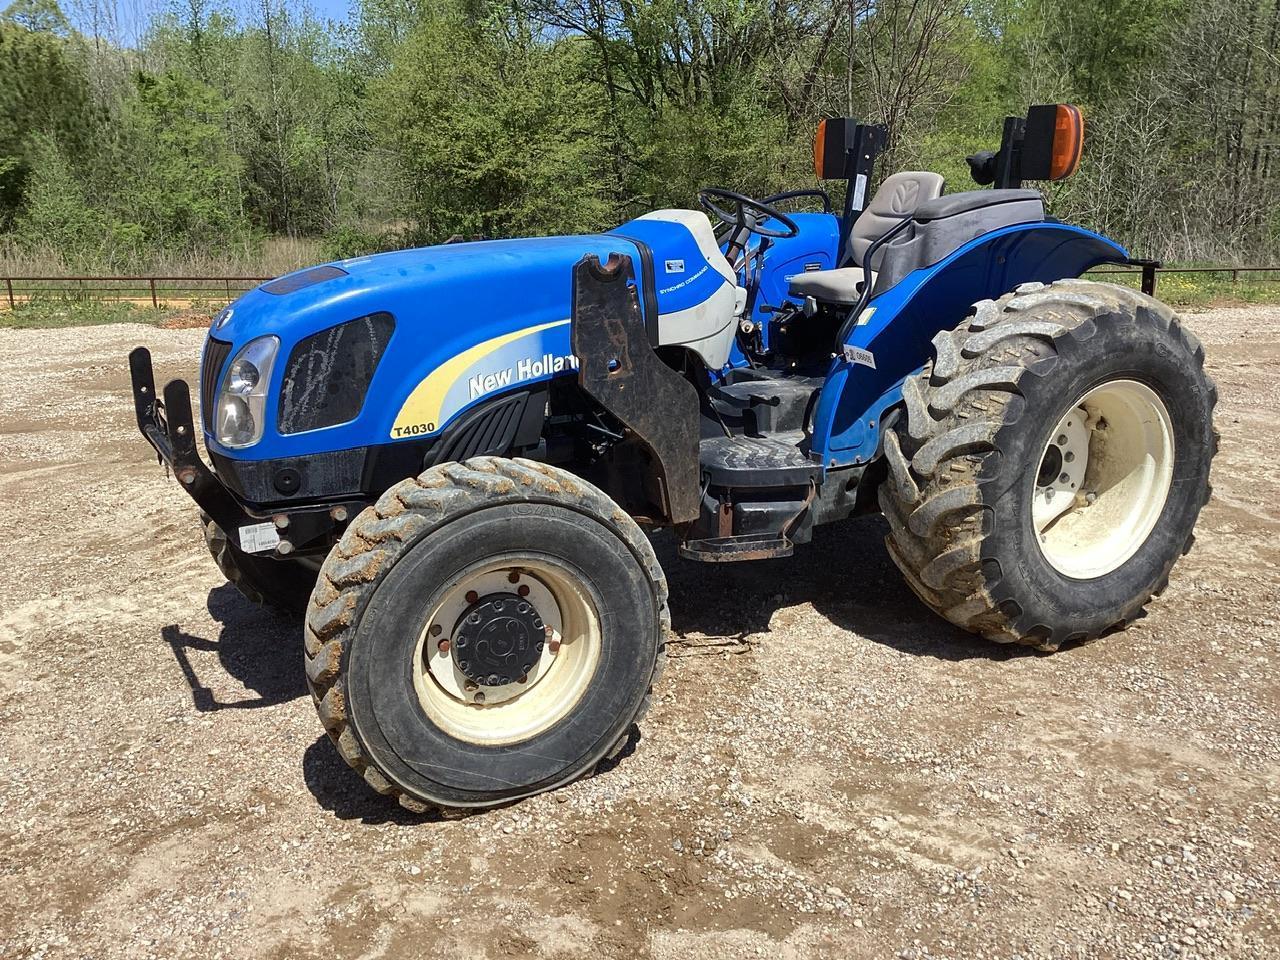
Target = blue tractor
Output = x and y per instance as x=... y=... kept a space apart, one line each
x=448 y=459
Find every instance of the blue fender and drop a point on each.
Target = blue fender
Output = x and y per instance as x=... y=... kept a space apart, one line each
x=893 y=334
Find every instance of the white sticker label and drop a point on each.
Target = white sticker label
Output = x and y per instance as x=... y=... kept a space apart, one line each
x=675 y=266
x=259 y=538
x=858 y=355
x=859 y=190
x=865 y=316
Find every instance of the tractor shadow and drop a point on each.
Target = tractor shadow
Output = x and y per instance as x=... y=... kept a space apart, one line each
x=256 y=646
x=845 y=573
x=262 y=649
x=342 y=792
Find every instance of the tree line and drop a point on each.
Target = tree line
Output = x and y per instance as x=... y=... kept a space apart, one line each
x=421 y=120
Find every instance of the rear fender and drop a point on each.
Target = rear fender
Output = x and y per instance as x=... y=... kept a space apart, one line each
x=892 y=338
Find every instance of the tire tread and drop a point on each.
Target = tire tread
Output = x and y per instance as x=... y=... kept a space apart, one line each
x=408 y=510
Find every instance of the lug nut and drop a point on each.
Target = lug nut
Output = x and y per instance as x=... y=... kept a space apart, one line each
x=524 y=590
x=1063 y=478
x=472 y=596
x=513 y=576
x=1068 y=456
x=1062 y=438
x=436 y=629
x=443 y=646
x=480 y=697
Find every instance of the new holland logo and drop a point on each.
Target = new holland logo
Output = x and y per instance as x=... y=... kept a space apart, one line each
x=525 y=369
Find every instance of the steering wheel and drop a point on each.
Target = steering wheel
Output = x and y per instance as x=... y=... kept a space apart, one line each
x=747 y=215
x=745 y=219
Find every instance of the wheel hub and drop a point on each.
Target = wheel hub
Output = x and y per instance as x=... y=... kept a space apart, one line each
x=1103 y=479
x=506 y=651
x=1062 y=467
x=498 y=640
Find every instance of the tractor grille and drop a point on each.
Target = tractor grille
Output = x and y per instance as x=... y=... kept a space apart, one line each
x=211 y=363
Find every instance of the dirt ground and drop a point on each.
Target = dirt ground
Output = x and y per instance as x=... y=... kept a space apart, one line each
x=829 y=770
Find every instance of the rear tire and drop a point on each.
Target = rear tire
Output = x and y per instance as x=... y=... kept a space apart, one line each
x=520 y=548
x=284 y=585
x=981 y=454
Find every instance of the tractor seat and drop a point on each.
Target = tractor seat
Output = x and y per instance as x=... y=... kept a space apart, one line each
x=896 y=200
x=842 y=285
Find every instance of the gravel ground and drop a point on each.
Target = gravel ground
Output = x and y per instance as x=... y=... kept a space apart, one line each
x=828 y=771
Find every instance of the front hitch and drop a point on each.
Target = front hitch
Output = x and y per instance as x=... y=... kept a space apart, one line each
x=167 y=424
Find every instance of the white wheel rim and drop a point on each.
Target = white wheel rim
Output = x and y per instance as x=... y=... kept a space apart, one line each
x=502 y=713
x=1103 y=479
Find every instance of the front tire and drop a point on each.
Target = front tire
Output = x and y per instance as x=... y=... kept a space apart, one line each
x=1053 y=464
x=486 y=631
x=283 y=585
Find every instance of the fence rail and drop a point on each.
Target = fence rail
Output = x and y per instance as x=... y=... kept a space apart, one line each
x=166 y=290
x=1234 y=271
x=156 y=290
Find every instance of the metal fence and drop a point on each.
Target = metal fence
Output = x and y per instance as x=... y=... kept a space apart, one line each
x=157 y=291
x=1256 y=273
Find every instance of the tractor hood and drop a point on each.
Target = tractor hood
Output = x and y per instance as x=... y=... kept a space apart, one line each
x=393 y=347
x=420 y=335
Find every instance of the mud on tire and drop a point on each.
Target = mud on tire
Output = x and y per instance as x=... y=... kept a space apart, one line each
x=962 y=467
x=380 y=583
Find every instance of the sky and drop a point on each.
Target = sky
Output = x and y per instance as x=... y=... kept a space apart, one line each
x=125 y=21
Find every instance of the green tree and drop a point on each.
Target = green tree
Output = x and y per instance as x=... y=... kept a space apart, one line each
x=493 y=133
x=44 y=93
x=38 y=16
x=178 y=174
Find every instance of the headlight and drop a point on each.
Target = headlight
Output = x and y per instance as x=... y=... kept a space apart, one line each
x=243 y=397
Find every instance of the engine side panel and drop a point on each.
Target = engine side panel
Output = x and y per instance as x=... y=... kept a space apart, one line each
x=694 y=284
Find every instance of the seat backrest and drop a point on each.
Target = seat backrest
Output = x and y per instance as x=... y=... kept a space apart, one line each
x=896 y=199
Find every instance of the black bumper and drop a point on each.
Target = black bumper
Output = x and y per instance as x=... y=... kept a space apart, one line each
x=167 y=424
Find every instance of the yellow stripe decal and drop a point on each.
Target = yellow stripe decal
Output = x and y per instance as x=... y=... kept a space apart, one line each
x=424 y=407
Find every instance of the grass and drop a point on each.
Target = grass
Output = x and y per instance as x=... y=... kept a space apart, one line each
x=1207 y=289
x=270 y=257
x=46 y=314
